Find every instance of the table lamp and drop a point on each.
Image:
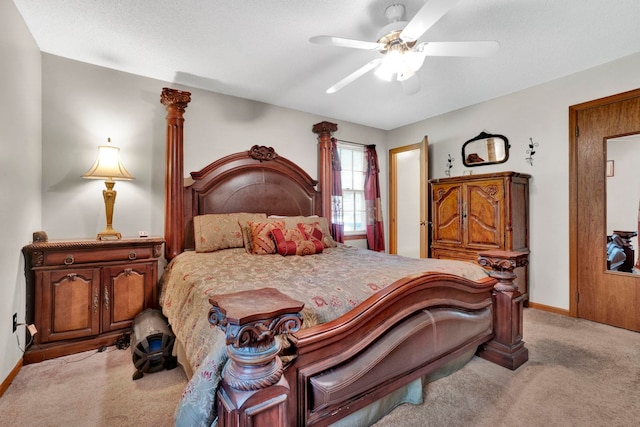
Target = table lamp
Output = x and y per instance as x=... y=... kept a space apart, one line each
x=108 y=167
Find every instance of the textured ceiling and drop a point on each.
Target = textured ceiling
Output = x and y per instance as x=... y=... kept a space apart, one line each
x=260 y=49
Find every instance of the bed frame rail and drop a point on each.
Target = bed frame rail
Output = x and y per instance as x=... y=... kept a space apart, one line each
x=434 y=320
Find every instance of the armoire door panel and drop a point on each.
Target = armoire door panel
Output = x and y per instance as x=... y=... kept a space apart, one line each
x=485 y=205
x=448 y=215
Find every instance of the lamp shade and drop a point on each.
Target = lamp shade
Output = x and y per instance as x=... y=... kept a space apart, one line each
x=108 y=165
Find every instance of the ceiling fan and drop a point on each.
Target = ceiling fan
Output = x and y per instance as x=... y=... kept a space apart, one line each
x=398 y=42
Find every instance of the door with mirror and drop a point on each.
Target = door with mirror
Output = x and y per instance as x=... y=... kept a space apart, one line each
x=605 y=199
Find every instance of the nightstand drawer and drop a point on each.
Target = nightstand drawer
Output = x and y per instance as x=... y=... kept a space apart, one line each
x=72 y=257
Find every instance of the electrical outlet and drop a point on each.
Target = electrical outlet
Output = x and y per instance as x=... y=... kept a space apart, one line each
x=15 y=322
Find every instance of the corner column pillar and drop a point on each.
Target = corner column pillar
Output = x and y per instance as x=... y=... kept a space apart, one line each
x=175 y=102
x=324 y=130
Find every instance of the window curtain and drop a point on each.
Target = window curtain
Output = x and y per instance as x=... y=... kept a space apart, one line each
x=375 y=228
x=337 y=222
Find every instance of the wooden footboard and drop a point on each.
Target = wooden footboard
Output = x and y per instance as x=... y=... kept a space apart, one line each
x=405 y=331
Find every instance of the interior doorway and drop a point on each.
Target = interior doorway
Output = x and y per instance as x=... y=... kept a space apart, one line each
x=408 y=174
x=597 y=293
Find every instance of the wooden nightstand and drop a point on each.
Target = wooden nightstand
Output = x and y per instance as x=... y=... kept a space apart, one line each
x=84 y=294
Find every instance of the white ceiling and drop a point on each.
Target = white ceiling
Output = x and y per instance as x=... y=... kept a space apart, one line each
x=260 y=49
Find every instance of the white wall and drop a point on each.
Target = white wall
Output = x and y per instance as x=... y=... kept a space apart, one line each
x=20 y=135
x=83 y=105
x=540 y=113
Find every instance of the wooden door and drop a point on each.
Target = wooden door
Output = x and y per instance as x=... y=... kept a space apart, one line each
x=598 y=294
x=409 y=200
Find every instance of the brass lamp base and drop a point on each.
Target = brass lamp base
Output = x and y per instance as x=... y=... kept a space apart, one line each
x=109 y=199
x=109 y=234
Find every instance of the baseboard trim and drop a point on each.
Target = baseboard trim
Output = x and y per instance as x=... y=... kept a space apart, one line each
x=548 y=308
x=7 y=381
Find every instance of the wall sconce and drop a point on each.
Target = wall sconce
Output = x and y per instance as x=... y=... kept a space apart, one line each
x=531 y=151
x=449 y=165
x=108 y=167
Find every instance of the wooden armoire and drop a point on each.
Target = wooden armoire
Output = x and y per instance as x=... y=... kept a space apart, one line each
x=475 y=213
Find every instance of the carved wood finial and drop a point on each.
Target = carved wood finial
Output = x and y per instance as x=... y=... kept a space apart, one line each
x=324 y=127
x=173 y=97
x=251 y=334
x=262 y=153
x=503 y=264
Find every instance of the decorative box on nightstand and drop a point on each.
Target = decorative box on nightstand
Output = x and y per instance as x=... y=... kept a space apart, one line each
x=83 y=294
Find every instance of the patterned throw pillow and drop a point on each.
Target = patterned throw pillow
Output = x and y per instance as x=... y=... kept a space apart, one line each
x=312 y=231
x=292 y=221
x=243 y=223
x=261 y=238
x=213 y=232
x=293 y=241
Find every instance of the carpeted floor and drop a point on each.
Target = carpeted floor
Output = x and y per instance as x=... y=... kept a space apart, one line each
x=579 y=373
x=91 y=389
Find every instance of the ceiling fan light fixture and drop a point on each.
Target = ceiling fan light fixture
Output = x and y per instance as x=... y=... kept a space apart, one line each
x=402 y=55
x=414 y=60
x=404 y=72
x=391 y=63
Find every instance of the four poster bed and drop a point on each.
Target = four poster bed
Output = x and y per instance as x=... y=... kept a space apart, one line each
x=328 y=335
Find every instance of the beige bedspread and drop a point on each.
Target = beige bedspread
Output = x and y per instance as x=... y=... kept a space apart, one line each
x=330 y=284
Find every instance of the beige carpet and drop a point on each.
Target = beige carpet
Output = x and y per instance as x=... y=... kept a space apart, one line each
x=579 y=373
x=91 y=389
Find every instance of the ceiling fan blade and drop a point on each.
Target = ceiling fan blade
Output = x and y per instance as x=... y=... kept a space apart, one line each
x=353 y=76
x=477 y=49
x=342 y=42
x=411 y=85
x=430 y=13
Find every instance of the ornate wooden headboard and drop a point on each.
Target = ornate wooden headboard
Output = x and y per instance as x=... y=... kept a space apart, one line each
x=257 y=180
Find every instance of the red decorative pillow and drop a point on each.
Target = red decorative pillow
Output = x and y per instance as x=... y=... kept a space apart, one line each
x=261 y=238
x=293 y=241
x=312 y=231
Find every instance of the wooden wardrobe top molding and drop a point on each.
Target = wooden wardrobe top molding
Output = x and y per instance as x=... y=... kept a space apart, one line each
x=481 y=176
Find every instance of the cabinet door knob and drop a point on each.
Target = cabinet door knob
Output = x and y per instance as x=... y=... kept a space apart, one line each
x=133 y=255
x=69 y=260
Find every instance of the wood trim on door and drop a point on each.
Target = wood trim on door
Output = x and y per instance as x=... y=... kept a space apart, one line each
x=423 y=146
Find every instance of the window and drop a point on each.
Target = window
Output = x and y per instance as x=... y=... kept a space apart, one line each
x=352 y=161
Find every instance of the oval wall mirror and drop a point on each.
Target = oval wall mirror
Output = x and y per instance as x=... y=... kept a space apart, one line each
x=485 y=149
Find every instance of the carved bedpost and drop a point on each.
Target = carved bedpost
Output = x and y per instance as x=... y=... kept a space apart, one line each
x=175 y=102
x=324 y=130
x=506 y=348
x=254 y=392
